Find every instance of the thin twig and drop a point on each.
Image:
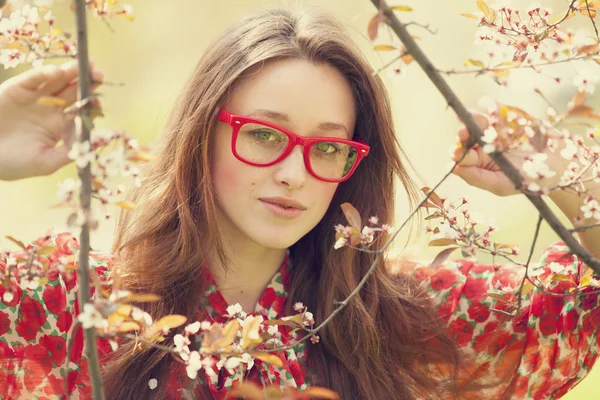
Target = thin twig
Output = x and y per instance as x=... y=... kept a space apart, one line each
x=587 y=6
x=83 y=122
x=476 y=133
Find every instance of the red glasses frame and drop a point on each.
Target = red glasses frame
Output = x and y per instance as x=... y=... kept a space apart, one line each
x=237 y=121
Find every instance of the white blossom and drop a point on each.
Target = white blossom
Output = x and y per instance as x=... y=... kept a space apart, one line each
x=341 y=242
x=570 y=150
x=8 y=297
x=81 y=154
x=90 y=317
x=556 y=268
x=152 y=383
x=193 y=328
x=194 y=364
x=536 y=167
x=591 y=208
x=66 y=189
x=234 y=309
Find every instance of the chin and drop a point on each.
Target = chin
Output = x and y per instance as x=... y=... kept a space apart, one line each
x=273 y=240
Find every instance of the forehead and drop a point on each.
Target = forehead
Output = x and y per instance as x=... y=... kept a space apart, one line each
x=310 y=94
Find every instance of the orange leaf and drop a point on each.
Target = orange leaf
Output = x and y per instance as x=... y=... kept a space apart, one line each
x=442 y=256
x=373 y=26
x=578 y=100
x=475 y=63
x=139 y=156
x=319 y=392
x=442 y=242
x=401 y=8
x=128 y=326
x=229 y=334
x=588 y=49
x=16 y=241
x=140 y=298
x=170 y=321
x=250 y=326
x=127 y=205
x=498 y=297
x=384 y=47
x=248 y=390
x=352 y=215
x=46 y=250
x=467 y=15
x=434 y=198
x=51 y=101
x=407 y=58
x=268 y=358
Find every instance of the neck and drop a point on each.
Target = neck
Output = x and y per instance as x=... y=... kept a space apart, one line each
x=251 y=267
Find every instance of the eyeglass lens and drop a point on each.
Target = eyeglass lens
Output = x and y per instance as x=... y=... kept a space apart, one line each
x=262 y=144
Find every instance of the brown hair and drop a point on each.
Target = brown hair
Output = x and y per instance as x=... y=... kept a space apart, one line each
x=382 y=344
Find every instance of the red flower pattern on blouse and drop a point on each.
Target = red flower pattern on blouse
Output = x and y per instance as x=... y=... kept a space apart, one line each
x=548 y=348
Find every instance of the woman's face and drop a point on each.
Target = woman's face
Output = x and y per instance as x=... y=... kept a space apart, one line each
x=306 y=98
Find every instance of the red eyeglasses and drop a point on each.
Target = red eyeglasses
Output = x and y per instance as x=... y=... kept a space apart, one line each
x=261 y=143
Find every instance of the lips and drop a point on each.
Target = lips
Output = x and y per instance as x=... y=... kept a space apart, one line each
x=285 y=202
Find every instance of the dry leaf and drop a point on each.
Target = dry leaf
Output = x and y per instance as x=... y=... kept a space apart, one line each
x=352 y=215
x=127 y=205
x=268 y=358
x=247 y=390
x=373 y=26
x=384 y=47
x=401 y=8
x=319 y=392
x=442 y=256
x=52 y=101
x=442 y=242
x=475 y=63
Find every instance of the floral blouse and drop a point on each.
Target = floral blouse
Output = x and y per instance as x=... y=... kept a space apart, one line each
x=549 y=347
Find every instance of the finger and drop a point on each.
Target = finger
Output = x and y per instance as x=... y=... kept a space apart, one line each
x=470 y=159
x=54 y=159
x=484 y=179
x=66 y=73
x=33 y=78
x=69 y=93
x=482 y=121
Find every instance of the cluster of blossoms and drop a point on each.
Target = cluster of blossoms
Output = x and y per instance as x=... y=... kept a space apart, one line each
x=459 y=226
x=104 y=9
x=241 y=341
x=528 y=37
x=512 y=130
x=111 y=155
x=22 y=42
x=356 y=234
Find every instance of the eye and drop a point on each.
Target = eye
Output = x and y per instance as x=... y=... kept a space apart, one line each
x=263 y=134
x=326 y=147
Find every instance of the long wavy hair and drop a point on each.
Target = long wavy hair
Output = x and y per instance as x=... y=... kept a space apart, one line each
x=387 y=340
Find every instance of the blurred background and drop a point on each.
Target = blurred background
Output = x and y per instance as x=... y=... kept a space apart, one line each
x=154 y=55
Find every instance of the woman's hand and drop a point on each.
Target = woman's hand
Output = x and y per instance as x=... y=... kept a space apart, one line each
x=29 y=131
x=479 y=170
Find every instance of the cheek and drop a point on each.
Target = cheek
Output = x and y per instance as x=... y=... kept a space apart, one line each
x=324 y=194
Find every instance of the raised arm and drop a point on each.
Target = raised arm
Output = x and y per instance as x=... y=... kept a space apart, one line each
x=540 y=353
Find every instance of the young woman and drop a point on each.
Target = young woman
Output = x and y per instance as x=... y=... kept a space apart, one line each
x=230 y=212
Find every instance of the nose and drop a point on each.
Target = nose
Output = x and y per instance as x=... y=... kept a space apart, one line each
x=291 y=171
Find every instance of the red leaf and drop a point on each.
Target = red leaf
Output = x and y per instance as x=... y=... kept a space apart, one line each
x=352 y=215
x=442 y=256
x=373 y=25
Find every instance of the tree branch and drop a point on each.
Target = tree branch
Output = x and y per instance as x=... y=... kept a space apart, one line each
x=475 y=134
x=83 y=127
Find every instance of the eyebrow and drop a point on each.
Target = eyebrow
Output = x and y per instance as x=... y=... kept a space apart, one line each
x=279 y=116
